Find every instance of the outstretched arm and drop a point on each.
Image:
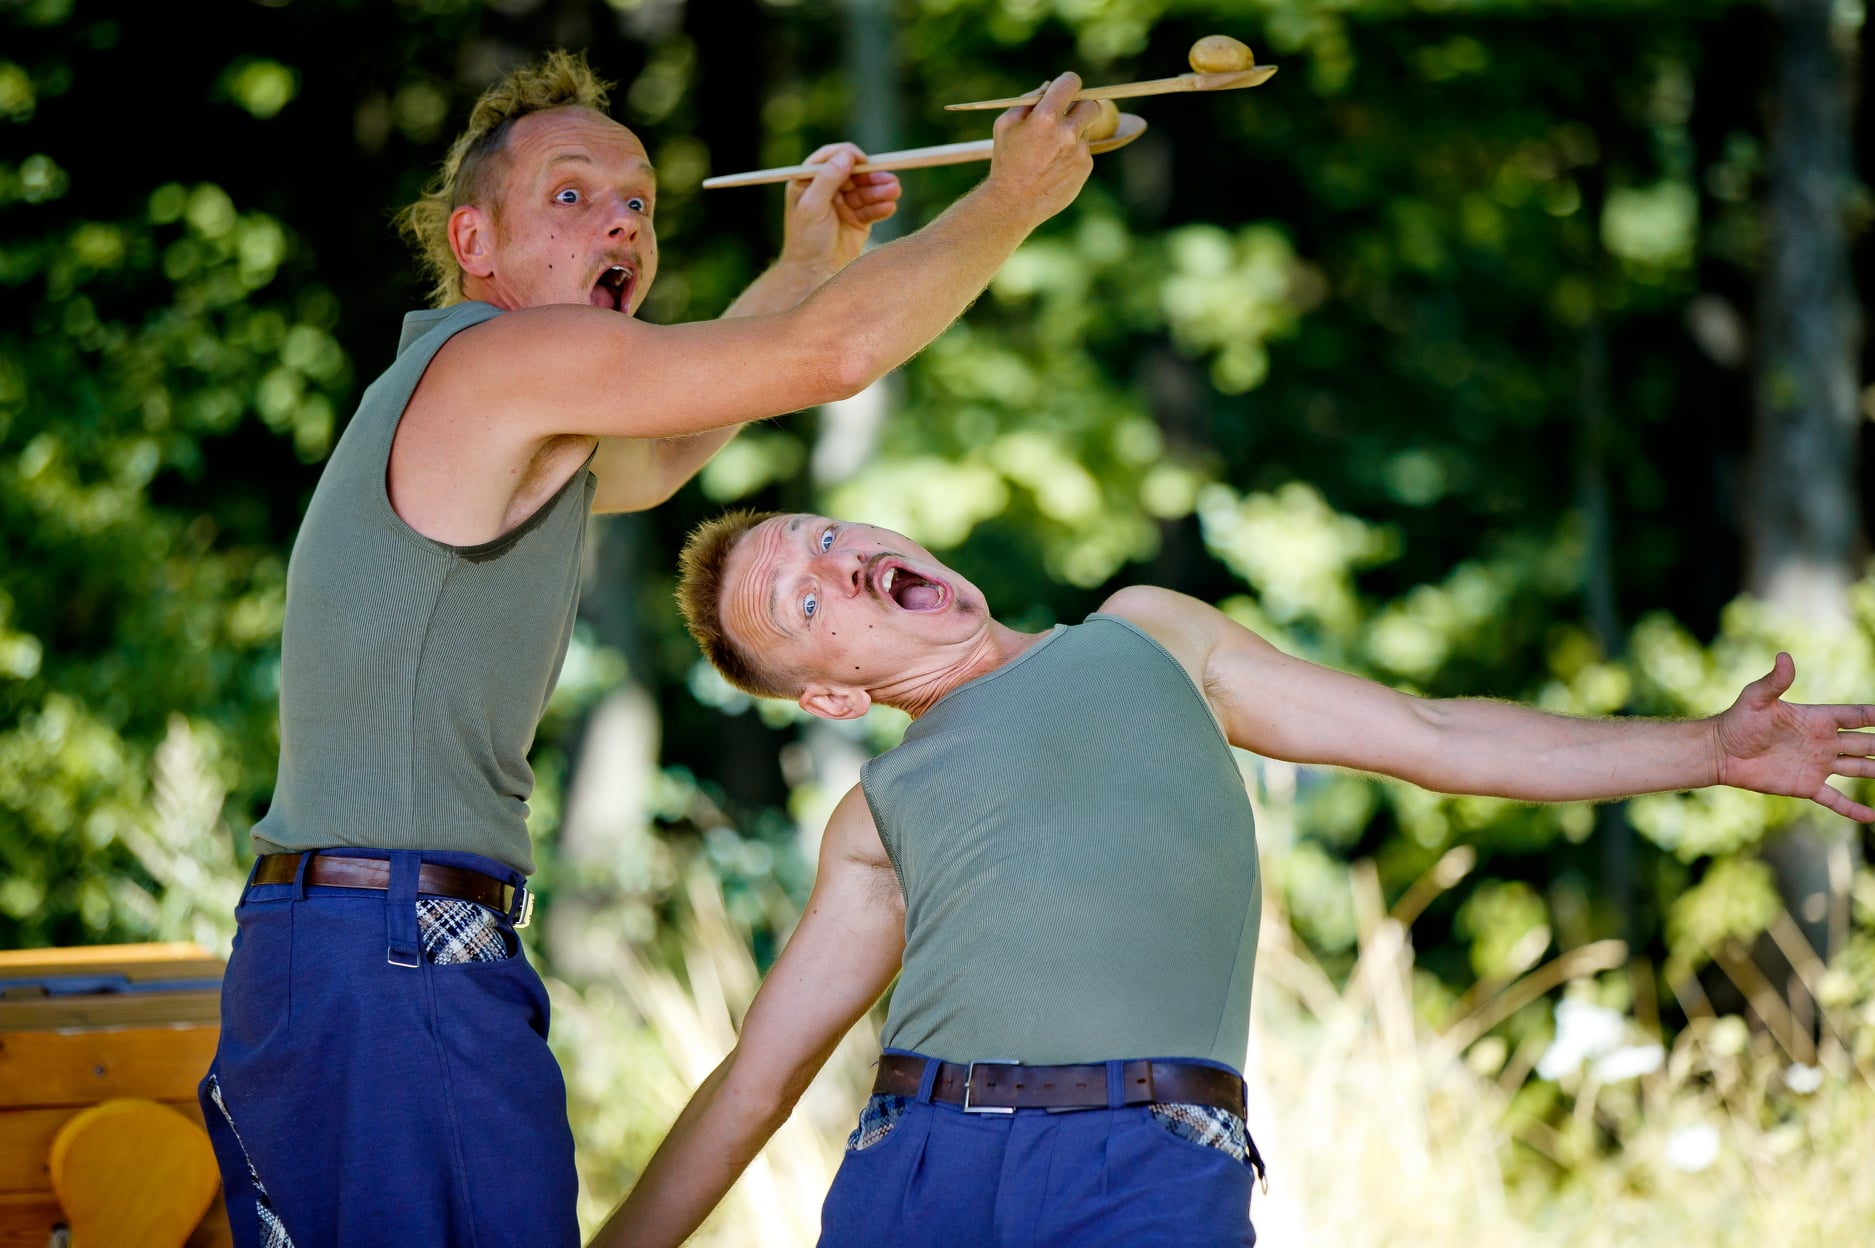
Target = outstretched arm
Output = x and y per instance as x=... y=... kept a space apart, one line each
x=1286 y=708
x=825 y=224
x=840 y=958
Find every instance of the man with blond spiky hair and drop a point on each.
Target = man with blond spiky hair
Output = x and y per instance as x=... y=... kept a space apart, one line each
x=383 y=1073
x=1059 y=867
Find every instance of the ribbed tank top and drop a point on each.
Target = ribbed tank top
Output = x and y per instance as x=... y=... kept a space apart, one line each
x=1078 y=859
x=414 y=673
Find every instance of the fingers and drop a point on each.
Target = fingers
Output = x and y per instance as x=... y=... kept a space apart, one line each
x=1854 y=715
x=1771 y=686
x=1828 y=798
x=838 y=160
x=1083 y=116
x=1055 y=101
x=867 y=199
x=1855 y=744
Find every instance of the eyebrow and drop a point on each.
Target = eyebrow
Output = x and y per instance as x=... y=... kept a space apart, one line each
x=567 y=158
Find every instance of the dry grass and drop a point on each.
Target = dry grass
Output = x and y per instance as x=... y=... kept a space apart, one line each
x=1381 y=1130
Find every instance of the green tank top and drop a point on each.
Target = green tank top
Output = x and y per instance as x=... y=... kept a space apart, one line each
x=1078 y=858
x=414 y=673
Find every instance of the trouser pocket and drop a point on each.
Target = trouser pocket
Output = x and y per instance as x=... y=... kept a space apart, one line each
x=877 y=1120
x=454 y=931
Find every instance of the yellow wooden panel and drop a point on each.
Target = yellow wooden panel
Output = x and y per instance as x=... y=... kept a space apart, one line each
x=27 y=1219
x=26 y=1141
x=85 y=1067
x=214 y=1232
x=127 y=1009
x=153 y=960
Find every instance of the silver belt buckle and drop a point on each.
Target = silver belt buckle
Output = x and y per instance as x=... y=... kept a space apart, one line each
x=525 y=896
x=970 y=1078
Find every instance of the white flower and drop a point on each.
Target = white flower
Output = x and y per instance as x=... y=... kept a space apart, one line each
x=1803 y=1079
x=1630 y=1061
x=1584 y=1031
x=1692 y=1149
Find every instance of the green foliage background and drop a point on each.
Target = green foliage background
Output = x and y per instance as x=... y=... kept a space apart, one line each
x=1424 y=360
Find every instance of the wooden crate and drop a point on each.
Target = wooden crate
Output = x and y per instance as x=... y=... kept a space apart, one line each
x=62 y=1052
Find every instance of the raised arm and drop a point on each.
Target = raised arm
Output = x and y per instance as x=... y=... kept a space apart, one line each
x=569 y=370
x=1283 y=707
x=825 y=225
x=839 y=960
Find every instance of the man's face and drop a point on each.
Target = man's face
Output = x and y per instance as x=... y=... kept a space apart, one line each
x=824 y=601
x=573 y=221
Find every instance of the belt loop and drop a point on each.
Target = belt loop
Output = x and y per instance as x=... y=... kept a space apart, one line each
x=299 y=874
x=1116 y=1085
x=928 y=1080
x=402 y=947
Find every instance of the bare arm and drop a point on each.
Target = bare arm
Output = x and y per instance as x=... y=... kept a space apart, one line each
x=840 y=958
x=569 y=370
x=826 y=222
x=1286 y=708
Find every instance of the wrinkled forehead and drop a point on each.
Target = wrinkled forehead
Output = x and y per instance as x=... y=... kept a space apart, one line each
x=541 y=141
x=751 y=570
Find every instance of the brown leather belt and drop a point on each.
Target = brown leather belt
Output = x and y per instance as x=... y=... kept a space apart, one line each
x=1001 y=1087
x=433 y=879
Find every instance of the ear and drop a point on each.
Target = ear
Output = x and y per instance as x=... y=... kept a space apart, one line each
x=835 y=701
x=472 y=238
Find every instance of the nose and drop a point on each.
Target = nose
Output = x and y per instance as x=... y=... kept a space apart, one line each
x=625 y=222
x=846 y=568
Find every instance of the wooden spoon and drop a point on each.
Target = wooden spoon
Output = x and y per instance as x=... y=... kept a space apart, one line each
x=1129 y=90
x=1131 y=127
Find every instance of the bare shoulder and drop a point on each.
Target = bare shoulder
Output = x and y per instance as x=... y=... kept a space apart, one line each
x=526 y=356
x=1185 y=626
x=1139 y=603
x=1163 y=610
x=853 y=835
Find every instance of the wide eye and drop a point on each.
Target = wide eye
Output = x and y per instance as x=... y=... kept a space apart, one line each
x=809 y=605
x=568 y=196
x=826 y=541
x=637 y=205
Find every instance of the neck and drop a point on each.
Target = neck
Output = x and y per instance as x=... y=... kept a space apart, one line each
x=478 y=289
x=918 y=693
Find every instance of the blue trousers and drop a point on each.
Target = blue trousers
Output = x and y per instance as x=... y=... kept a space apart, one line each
x=1095 y=1178
x=355 y=1101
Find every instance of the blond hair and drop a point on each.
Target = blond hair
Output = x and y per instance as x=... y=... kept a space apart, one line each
x=470 y=174
x=700 y=599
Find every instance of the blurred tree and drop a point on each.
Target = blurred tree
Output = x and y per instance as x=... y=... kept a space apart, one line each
x=1426 y=359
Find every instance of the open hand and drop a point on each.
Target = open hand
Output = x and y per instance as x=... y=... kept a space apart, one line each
x=1772 y=746
x=829 y=217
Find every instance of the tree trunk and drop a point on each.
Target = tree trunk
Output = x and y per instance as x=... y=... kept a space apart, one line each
x=850 y=428
x=1803 y=512
x=1804 y=516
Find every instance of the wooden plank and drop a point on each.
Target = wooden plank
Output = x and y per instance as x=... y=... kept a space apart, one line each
x=85 y=1067
x=26 y=1139
x=131 y=1009
x=155 y=960
x=214 y=1232
x=27 y=1219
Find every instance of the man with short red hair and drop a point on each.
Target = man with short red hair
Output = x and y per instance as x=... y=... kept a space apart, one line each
x=1058 y=864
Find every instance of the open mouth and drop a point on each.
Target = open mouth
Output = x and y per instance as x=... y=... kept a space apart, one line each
x=614 y=289
x=911 y=591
